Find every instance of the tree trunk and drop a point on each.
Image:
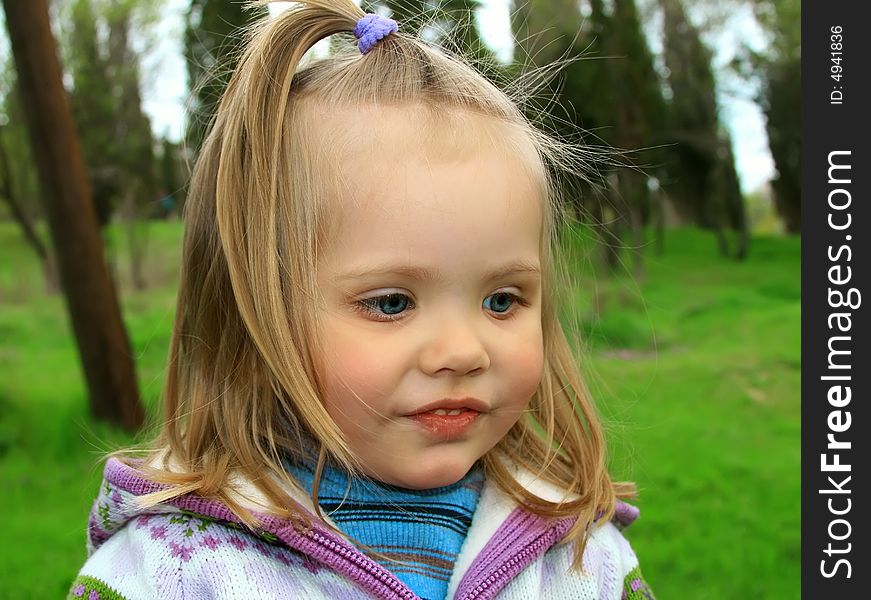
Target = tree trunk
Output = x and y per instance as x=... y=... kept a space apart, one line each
x=742 y=228
x=788 y=210
x=658 y=208
x=722 y=242
x=612 y=226
x=7 y=191
x=633 y=194
x=136 y=244
x=104 y=348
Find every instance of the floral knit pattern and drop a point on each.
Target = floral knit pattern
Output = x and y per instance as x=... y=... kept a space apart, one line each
x=89 y=588
x=187 y=534
x=191 y=549
x=635 y=588
x=188 y=548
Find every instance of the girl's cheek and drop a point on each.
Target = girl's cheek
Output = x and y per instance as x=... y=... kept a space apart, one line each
x=355 y=363
x=530 y=371
x=526 y=368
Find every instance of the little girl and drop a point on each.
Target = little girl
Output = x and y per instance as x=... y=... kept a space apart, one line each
x=369 y=393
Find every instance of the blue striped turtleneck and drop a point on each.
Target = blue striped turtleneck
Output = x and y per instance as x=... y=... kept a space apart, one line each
x=415 y=534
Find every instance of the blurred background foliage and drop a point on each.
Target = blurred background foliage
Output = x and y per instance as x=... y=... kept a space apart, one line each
x=688 y=287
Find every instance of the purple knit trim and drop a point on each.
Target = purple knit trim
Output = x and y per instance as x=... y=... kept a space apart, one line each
x=626 y=514
x=518 y=542
x=127 y=478
x=371 y=29
x=344 y=559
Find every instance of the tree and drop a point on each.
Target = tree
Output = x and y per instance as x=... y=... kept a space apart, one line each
x=780 y=99
x=640 y=115
x=107 y=104
x=213 y=37
x=18 y=185
x=94 y=105
x=700 y=178
x=136 y=163
x=776 y=73
x=579 y=97
x=736 y=207
x=170 y=172
x=587 y=102
x=104 y=348
x=609 y=89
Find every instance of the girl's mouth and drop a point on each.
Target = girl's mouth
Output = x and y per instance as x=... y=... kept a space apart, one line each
x=446 y=424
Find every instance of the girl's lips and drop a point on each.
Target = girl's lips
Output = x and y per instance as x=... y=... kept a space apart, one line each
x=450 y=404
x=446 y=427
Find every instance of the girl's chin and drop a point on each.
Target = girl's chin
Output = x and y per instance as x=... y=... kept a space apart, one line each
x=430 y=483
x=437 y=476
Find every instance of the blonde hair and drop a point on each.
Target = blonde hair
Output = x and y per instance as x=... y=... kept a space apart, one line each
x=241 y=391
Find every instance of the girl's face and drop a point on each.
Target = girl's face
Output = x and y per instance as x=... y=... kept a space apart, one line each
x=431 y=340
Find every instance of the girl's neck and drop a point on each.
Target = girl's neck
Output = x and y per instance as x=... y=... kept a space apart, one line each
x=336 y=478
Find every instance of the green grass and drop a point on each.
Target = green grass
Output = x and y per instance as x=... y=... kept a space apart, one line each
x=695 y=370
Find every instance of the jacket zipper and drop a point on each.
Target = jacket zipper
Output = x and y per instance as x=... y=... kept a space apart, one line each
x=501 y=571
x=353 y=556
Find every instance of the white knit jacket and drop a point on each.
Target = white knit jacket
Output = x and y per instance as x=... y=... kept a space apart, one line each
x=195 y=548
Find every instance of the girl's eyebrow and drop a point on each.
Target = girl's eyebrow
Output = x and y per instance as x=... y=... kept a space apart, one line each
x=520 y=267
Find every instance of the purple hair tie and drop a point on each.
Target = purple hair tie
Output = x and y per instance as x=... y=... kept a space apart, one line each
x=371 y=29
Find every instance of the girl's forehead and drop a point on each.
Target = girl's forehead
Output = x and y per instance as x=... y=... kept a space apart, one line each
x=429 y=199
x=422 y=170
x=368 y=133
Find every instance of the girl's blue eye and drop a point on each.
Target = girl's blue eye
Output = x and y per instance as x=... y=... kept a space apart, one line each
x=500 y=302
x=387 y=305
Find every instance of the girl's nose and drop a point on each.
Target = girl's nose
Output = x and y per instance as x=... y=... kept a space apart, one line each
x=454 y=349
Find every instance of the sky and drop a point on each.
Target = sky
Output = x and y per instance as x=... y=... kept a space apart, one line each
x=165 y=81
